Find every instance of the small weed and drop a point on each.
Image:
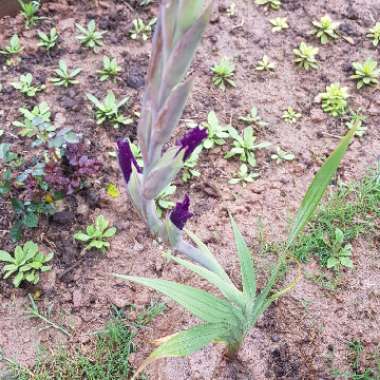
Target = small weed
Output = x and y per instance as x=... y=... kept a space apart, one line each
x=265 y=64
x=90 y=37
x=25 y=86
x=217 y=133
x=223 y=73
x=334 y=100
x=110 y=69
x=48 y=41
x=340 y=254
x=96 y=235
x=270 y=4
x=325 y=29
x=141 y=30
x=109 y=110
x=244 y=145
x=281 y=155
x=25 y=264
x=291 y=116
x=366 y=74
x=12 y=49
x=253 y=118
x=244 y=176
x=29 y=11
x=189 y=171
x=64 y=77
x=279 y=24
x=374 y=34
x=357 y=119
x=305 y=56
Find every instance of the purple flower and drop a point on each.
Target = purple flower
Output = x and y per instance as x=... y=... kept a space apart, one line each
x=191 y=140
x=180 y=214
x=126 y=159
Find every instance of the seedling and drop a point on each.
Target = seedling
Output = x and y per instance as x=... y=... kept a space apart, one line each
x=13 y=48
x=25 y=264
x=357 y=120
x=109 y=110
x=340 y=253
x=243 y=176
x=48 y=41
x=253 y=118
x=29 y=12
x=223 y=73
x=270 y=4
x=110 y=69
x=291 y=116
x=90 y=37
x=305 y=56
x=281 y=156
x=325 y=29
x=41 y=111
x=265 y=64
x=163 y=201
x=374 y=34
x=24 y=85
x=244 y=145
x=96 y=235
x=366 y=73
x=189 y=171
x=334 y=100
x=140 y=30
x=279 y=24
x=216 y=132
x=64 y=77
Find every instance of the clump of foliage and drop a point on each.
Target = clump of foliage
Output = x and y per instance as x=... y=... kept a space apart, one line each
x=217 y=133
x=357 y=120
x=223 y=73
x=290 y=115
x=253 y=118
x=110 y=69
x=29 y=11
x=244 y=145
x=271 y=4
x=25 y=86
x=243 y=176
x=265 y=64
x=72 y=172
x=48 y=41
x=340 y=252
x=282 y=155
x=189 y=170
x=374 y=34
x=334 y=100
x=325 y=29
x=279 y=24
x=96 y=235
x=25 y=264
x=229 y=319
x=64 y=77
x=305 y=56
x=108 y=110
x=141 y=30
x=90 y=37
x=12 y=49
x=366 y=73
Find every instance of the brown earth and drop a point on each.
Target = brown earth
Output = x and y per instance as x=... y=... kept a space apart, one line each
x=305 y=334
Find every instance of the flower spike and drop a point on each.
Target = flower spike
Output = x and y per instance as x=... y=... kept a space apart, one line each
x=191 y=140
x=126 y=159
x=180 y=214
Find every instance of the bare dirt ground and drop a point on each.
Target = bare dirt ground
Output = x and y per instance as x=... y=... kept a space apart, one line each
x=305 y=334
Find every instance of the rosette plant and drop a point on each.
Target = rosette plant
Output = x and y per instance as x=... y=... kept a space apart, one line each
x=228 y=317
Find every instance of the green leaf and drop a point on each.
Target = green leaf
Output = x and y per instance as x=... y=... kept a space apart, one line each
x=110 y=232
x=248 y=273
x=30 y=220
x=81 y=236
x=332 y=262
x=318 y=186
x=227 y=289
x=347 y=262
x=202 y=304
x=5 y=256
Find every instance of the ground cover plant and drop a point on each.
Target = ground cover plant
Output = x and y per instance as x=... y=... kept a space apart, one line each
x=59 y=171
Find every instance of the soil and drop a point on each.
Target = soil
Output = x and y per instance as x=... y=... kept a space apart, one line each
x=305 y=334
